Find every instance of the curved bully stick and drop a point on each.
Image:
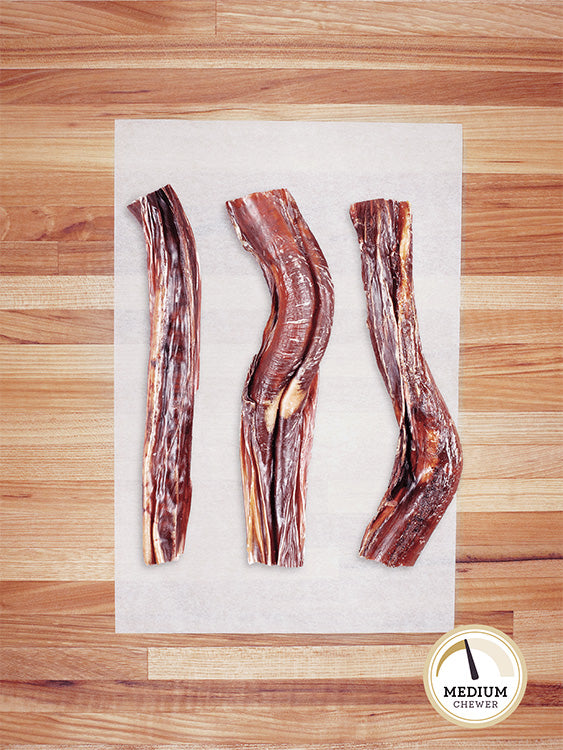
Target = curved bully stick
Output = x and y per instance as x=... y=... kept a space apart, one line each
x=428 y=461
x=279 y=398
x=174 y=300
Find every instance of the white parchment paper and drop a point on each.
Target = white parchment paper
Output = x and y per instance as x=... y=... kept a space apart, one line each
x=326 y=166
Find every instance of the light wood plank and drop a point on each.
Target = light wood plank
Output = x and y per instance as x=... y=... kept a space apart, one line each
x=140 y=17
x=513 y=462
x=500 y=428
x=57 y=361
x=485 y=494
x=78 y=526
x=91 y=462
x=289 y=663
x=40 y=429
x=495 y=19
x=60 y=292
x=511 y=293
x=56 y=564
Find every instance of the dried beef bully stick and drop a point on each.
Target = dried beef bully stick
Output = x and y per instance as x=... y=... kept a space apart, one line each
x=280 y=394
x=428 y=462
x=174 y=308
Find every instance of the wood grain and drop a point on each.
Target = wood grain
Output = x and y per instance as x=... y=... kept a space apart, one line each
x=69 y=69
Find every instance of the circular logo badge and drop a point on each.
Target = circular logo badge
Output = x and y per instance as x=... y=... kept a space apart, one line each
x=475 y=676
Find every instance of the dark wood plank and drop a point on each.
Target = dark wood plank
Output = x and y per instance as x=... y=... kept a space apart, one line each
x=109 y=87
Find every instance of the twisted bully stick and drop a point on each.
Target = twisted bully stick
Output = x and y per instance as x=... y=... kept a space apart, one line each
x=428 y=461
x=279 y=397
x=174 y=307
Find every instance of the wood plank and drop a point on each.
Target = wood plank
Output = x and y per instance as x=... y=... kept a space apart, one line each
x=57 y=361
x=480 y=122
x=71 y=563
x=59 y=292
x=501 y=428
x=509 y=495
x=113 y=696
x=543 y=660
x=448 y=744
x=73 y=664
x=54 y=223
x=69 y=631
x=86 y=462
x=133 y=17
x=185 y=695
x=69 y=257
x=40 y=429
x=510 y=462
x=85 y=397
x=511 y=293
x=57 y=597
x=536 y=327
x=28 y=524
x=448 y=18
x=77 y=492
x=81 y=258
x=244 y=51
x=531 y=627
x=53 y=326
x=524 y=584
x=29 y=258
x=501 y=374
x=288 y=86
x=509 y=536
x=286 y=663
x=209 y=728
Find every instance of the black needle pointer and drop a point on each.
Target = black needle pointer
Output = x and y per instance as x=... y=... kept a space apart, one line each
x=472 y=667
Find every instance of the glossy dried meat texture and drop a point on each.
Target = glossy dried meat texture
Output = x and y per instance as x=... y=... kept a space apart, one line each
x=280 y=393
x=173 y=374
x=428 y=461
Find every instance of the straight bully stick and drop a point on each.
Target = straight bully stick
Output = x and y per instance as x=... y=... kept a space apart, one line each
x=280 y=394
x=428 y=461
x=174 y=308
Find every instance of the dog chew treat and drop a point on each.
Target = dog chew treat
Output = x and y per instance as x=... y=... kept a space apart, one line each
x=428 y=461
x=280 y=393
x=174 y=308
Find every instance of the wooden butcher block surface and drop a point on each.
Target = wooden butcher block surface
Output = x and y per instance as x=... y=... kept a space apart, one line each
x=69 y=69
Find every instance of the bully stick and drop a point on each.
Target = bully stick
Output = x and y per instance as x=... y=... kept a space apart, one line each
x=280 y=393
x=428 y=461
x=174 y=308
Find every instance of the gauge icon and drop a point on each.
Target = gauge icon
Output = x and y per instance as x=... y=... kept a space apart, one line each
x=475 y=676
